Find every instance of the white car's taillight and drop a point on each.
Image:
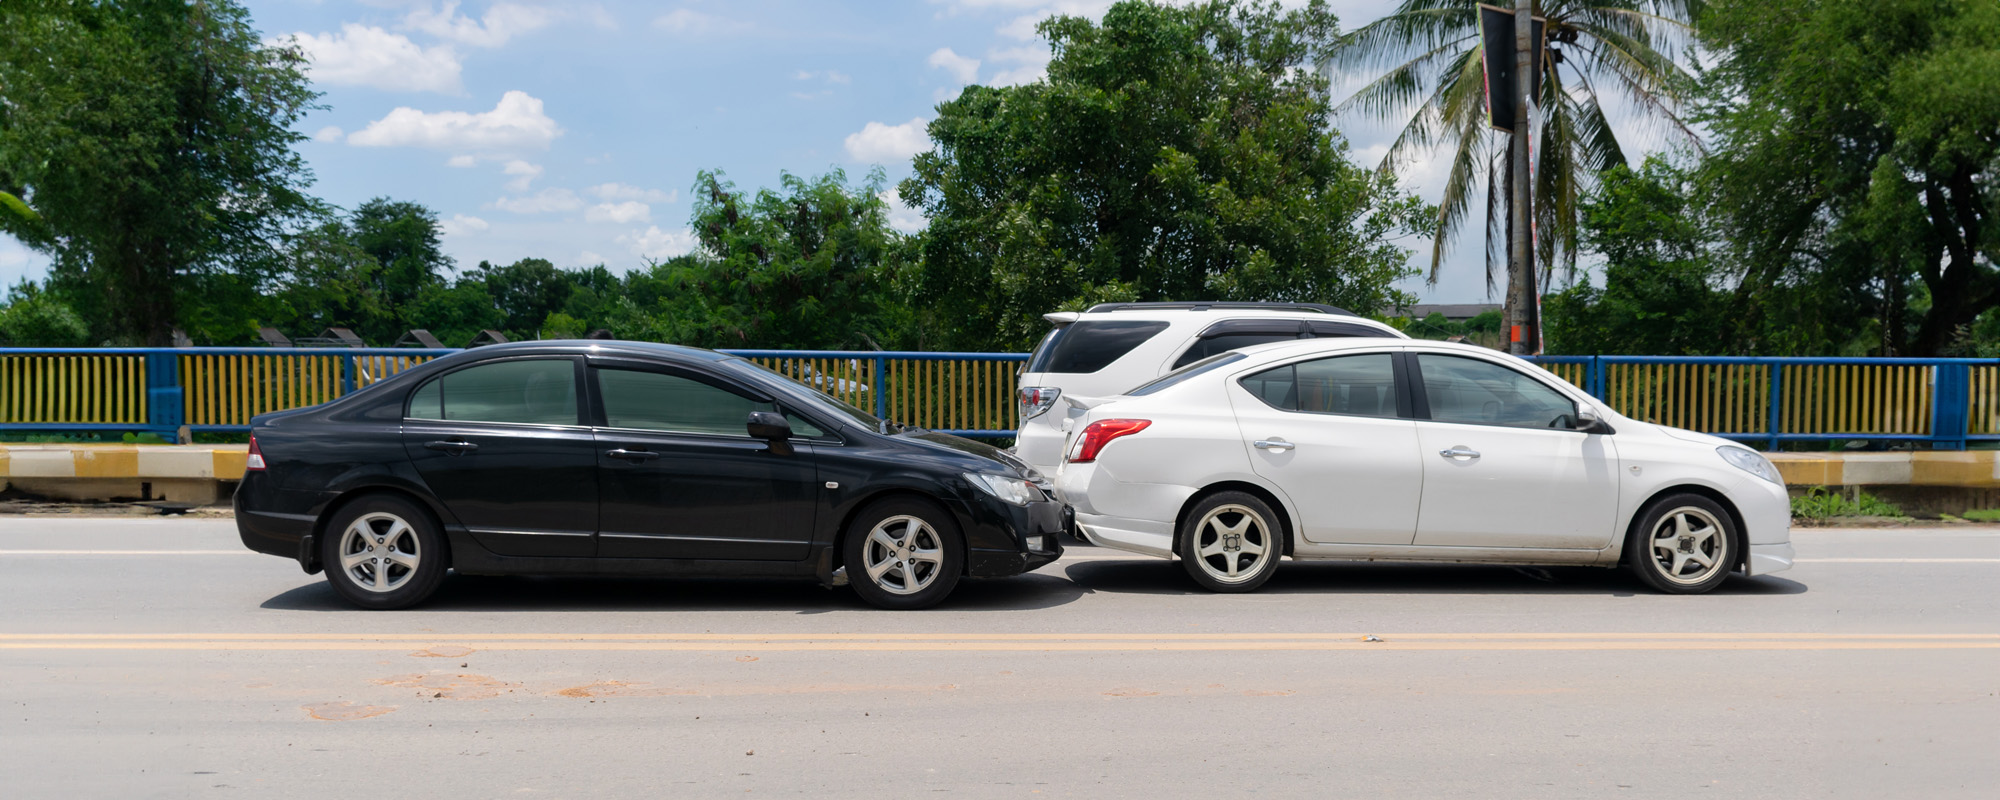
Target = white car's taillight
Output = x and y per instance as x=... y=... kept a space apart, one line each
x=1100 y=433
x=255 y=462
x=1033 y=400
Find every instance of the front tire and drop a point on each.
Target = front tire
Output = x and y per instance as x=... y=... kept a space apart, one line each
x=383 y=552
x=903 y=554
x=1683 y=544
x=1231 y=542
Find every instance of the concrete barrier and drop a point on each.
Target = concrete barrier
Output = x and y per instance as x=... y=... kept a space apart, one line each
x=200 y=473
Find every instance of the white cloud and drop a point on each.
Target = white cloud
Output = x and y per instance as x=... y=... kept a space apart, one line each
x=628 y=211
x=526 y=174
x=364 y=56
x=903 y=217
x=804 y=75
x=330 y=133
x=685 y=20
x=516 y=123
x=460 y=225
x=878 y=143
x=544 y=201
x=501 y=22
x=620 y=191
x=964 y=70
x=461 y=161
x=1032 y=63
x=838 y=77
x=588 y=258
x=656 y=243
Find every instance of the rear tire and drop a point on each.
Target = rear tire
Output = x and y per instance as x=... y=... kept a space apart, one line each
x=383 y=552
x=1231 y=542
x=1683 y=544
x=903 y=554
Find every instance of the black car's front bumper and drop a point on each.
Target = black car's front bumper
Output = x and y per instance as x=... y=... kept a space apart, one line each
x=1034 y=532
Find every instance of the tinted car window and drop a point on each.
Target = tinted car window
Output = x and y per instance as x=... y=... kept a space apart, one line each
x=1210 y=345
x=657 y=401
x=533 y=392
x=1484 y=393
x=1183 y=374
x=1085 y=347
x=1362 y=385
x=1328 y=329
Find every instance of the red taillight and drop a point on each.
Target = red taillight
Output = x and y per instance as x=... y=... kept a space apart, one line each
x=1100 y=433
x=256 y=460
x=1031 y=401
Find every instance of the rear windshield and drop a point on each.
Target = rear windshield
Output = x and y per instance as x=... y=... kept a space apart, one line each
x=1085 y=347
x=1189 y=371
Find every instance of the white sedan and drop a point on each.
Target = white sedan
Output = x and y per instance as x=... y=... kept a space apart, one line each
x=1397 y=450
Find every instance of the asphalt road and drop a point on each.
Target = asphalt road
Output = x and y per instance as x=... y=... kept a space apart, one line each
x=153 y=658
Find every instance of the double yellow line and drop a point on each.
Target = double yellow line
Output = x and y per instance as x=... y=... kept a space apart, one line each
x=999 y=642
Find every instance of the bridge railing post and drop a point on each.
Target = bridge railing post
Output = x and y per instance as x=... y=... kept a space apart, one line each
x=165 y=405
x=1951 y=400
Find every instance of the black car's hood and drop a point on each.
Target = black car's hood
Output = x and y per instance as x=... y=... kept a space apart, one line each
x=945 y=441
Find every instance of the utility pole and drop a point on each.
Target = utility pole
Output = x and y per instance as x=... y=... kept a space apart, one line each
x=1523 y=318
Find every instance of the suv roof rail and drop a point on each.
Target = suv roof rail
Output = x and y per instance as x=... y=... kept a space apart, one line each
x=1317 y=308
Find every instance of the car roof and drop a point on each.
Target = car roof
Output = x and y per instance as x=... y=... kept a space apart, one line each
x=605 y=347
x=1279 y=351
x=1185 y=313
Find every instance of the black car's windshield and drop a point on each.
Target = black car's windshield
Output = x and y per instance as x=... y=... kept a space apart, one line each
x=827 y=401
x=1187 y=372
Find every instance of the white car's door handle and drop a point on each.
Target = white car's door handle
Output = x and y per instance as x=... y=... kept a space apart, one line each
x=1459 y=452
x=1279 y=445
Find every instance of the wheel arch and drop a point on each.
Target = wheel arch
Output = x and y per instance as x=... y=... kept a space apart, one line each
x=863 y=503
x=353 y=494
x=1740 y=543
x=1285 y=521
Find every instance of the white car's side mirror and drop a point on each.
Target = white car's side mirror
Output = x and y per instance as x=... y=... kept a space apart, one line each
x=1587 y=421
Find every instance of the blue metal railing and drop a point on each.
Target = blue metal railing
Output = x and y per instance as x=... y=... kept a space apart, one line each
x=1944 y=403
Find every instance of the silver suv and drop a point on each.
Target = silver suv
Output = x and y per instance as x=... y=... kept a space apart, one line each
x=1117 y=346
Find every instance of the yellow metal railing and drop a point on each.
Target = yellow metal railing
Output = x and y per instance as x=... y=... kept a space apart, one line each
x=89 y=389
x=1857 y=398
x=1984 y=413
x=229 y=389
x=1717 y=398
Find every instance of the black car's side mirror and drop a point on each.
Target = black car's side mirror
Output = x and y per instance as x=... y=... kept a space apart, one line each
x=771 y=427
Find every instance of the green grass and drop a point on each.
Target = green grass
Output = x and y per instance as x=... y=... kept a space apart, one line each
x=1820 y=502
x=1983 y=515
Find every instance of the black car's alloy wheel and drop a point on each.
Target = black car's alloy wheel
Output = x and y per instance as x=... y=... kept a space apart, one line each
x=383 y=552
x=903 y=553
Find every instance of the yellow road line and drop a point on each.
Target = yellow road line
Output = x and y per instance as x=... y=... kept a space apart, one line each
x=938 y=636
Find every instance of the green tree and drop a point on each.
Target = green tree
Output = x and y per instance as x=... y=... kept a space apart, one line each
x=32 y=318
x=404 y=239
x=526 y=293
x=806 y=266
x=1857 y=151
x=153 y=140
x=1431 y=55
x=1662 y=276
x=1171 y=154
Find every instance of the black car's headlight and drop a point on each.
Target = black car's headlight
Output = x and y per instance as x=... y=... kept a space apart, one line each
x=1006 y=488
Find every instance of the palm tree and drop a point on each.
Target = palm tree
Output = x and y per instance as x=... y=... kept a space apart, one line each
x=1430 y=50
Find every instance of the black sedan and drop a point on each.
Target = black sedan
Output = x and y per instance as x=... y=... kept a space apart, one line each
x=628 y=458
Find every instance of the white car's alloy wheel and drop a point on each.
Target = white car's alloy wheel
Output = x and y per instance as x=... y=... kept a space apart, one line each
x=1232 y=543
x=1688 y=546
x=903 y=555
x=379 y=552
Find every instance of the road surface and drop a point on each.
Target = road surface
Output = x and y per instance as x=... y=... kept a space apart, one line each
x=156 y=658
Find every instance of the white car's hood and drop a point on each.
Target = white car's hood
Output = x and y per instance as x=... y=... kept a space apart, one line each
x=1695 y=438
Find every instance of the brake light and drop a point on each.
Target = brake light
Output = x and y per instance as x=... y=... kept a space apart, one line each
x=255 y=462
x=1033 y=400
x=1100 y=433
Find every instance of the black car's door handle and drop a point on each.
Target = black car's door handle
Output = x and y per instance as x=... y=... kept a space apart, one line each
x=633 y=455
x=453 y=448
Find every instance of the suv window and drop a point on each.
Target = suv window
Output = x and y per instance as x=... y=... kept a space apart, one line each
x=529 y=391
x=1083 y=347
x=1360 y=385
x=1184 y=373
x=1238 y=333
x=1483 y=393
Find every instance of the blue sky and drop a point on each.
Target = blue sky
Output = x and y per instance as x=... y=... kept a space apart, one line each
x=572 y=131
